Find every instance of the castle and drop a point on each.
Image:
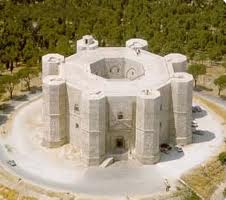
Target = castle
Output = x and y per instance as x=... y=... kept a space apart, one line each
x=116 y=101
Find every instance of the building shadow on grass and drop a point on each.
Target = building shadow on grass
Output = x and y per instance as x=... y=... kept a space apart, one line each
x=36 y=89
x=223 y=97
x=23 y=97
x=6 y=108
x=200 y=88
x=3 y=119
x=202 y=136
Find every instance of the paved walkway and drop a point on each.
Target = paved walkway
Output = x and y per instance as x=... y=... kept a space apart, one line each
x=49 y=167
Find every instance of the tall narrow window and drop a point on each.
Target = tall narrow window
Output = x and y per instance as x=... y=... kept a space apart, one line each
x=76 y=125
x=76 y=108
x=120 y=115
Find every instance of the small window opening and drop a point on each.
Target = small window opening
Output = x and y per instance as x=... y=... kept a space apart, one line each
x=76 y=108
x=86 y=41
x=110 y=70
x=119 y=143
x=132 y=73
x=120 y=115
x=76 y=125
x=160 y=124
x=118 y=69
x=161 y=107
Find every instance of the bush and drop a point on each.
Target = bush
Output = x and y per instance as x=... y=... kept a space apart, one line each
x=222 y=158
x=224 y=192
x=192 y=196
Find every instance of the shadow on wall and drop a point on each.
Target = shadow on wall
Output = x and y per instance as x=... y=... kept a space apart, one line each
x=198 y=115
x=171 y=155
x=223 y=97
x=20 y=97
x=201 y=88
x=202 y=136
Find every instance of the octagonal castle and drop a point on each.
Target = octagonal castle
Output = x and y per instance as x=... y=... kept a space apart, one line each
x=116 y=101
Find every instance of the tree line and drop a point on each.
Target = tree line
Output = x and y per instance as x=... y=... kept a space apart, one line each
x=32 y=28
x=200 y=69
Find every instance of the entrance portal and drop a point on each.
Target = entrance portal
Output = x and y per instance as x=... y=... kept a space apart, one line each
x=119 y=145
x=120 y=142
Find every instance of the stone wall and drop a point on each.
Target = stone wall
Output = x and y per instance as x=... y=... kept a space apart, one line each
x=182 y=85
x=54 y=108
x=93 y=127
x=147 y=127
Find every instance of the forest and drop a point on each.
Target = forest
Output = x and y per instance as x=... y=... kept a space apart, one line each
x=31 y=28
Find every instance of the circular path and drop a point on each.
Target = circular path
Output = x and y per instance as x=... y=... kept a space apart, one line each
x=49 y=167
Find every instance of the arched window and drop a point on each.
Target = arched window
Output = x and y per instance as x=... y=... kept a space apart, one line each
x=120 y=115
x=118 y=69
x=76 y=125
x=76 y=108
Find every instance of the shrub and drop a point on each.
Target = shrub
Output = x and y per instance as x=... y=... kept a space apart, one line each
x=224 y=192
x=222 y=158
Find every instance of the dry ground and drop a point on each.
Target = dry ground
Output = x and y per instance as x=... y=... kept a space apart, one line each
x=206 y=178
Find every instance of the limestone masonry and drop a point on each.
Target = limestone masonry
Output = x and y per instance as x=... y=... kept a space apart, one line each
x=116 y=101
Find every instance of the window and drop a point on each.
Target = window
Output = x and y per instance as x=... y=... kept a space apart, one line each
x=118 y=69
x=132 y=72
x=160 y=124
x=110 y=70
x=120 y=115
x=76 y=108
x=76 y=125
x=119 y=142
x=161 y=107
x=86 y=41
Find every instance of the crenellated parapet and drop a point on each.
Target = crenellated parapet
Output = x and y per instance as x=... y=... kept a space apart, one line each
x=147 y=127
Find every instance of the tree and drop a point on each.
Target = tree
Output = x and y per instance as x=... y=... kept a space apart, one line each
x=1 y=68
x=220 y=82
x=8 y=83
x=26 y=74
x=196 y=70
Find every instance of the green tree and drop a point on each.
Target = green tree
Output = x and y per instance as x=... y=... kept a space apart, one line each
x=220 y=82
x=8 y=83
x=196 y=70
x=26 y=74
x=1 y=68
